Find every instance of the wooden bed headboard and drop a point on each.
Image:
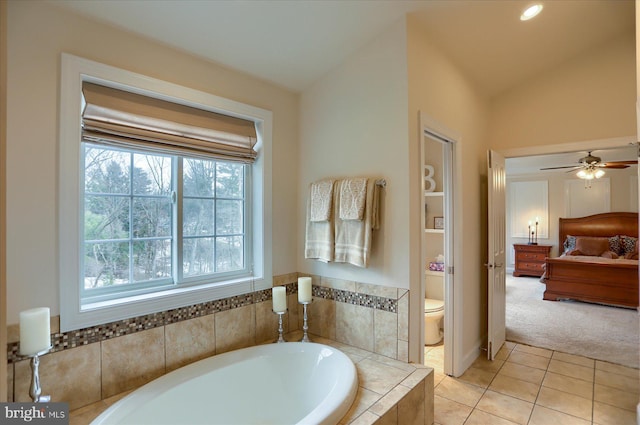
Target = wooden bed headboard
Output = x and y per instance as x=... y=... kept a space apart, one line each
x=606 y=224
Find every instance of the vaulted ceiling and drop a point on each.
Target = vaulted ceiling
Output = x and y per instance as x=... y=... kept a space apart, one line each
x=293 y=43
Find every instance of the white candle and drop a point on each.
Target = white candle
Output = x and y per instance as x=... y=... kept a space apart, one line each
x=35 y=331
x=279 y=294
x=304 y=289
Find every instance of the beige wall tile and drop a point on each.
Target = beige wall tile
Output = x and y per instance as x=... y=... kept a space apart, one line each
x=403 y=351
x=403 y=318
x=389 y=400
x=13 y=333
x=294 y=314
x=385 y=333
x=267 y=322
x=366 y=418
x=235 y=328
x=132 y=360
x=429 y=398
x=285 y=279
x=377 y=290
x=378 y=377
x=389 y=418
x=10 y=383
x=330 y=282
x=411 y=408
x=71 y=376
x=322 y=318
x=189 y=341
x=364 y=399
x=354 y=325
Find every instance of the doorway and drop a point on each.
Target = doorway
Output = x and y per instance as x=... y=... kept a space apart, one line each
x=437 y=153
x=625 y=148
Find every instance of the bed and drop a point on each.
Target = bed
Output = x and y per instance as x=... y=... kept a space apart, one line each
x=591 y=278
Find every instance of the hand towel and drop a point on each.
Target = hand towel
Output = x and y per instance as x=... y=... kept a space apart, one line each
x=352 y=237
x=319 y=236
x=321 y=200
x=353 y=195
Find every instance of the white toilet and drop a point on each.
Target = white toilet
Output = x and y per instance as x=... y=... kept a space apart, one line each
x=433 y=308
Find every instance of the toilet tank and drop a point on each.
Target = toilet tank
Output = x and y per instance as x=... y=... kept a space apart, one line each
x=434 y=285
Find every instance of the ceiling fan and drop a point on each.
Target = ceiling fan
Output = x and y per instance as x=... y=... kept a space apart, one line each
x=590 y=166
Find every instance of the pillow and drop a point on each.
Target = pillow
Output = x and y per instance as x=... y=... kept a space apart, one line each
x=628 y=244
x=609 y=254
x=632 y=255
x=615 y=245
x=569 y=244
x=591 y=245
x=573 y=252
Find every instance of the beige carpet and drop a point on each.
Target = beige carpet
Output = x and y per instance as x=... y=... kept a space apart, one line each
x=591 y=330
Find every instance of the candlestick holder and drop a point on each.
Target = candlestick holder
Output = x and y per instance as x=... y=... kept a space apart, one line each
x=35 y=390
x=305 y=327
x=280 y=327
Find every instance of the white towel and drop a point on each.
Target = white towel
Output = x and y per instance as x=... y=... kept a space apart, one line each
x=353 y=194
x=353 y=237
x=319 y=237
x=321 y=200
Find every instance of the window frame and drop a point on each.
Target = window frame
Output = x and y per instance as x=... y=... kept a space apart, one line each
x=76 y=70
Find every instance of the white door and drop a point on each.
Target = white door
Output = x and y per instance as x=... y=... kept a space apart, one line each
x=496 y=261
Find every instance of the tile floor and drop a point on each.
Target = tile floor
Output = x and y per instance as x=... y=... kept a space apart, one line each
x=534 y=386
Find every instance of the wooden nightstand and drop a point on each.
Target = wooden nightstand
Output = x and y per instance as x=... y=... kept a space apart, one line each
x=530 y=259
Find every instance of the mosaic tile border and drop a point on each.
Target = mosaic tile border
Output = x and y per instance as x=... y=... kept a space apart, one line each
x=72 y=339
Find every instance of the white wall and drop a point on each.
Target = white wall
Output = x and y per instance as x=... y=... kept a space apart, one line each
x=353 y=122
x=622 y=183
x=38 y=32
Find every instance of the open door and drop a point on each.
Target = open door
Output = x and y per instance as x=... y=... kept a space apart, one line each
x=496 y=253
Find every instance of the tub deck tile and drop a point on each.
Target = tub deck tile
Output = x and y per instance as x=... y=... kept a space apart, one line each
x=387 y=390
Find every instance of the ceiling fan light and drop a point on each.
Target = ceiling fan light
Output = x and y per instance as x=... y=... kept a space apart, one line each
x=585 y=174
x=599 y=173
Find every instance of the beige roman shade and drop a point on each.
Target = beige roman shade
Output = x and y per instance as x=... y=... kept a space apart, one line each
x=120 y=118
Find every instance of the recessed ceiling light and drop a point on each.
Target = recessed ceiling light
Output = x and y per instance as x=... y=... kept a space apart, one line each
x=531 y=12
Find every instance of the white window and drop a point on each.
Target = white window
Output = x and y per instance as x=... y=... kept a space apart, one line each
x=150 y=222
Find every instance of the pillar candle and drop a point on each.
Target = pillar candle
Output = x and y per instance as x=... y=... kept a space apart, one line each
x=35 y=331
x=279 y=294
x=304 y=289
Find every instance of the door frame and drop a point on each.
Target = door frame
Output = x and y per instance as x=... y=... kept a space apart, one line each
x=453 y=292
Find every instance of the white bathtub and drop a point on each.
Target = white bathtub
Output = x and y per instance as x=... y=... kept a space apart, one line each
x=290 y=383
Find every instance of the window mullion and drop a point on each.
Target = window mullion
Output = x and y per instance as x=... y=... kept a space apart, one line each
x=177 y=245
x=131 y=259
